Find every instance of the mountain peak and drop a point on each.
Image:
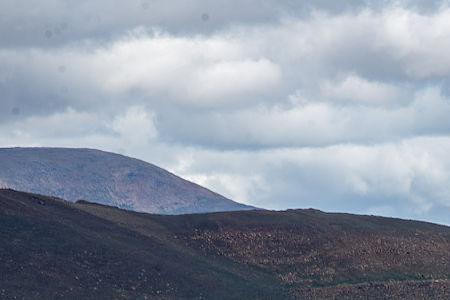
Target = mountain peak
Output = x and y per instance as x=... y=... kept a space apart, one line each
x=106 y=178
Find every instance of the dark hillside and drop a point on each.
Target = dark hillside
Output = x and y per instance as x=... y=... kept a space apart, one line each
x=59 y=250
x=49 y=249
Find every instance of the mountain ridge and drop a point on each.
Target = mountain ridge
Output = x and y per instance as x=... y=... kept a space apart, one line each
x=107 y=178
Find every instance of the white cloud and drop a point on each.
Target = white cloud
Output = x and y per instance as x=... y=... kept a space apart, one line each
x=136 y=125
x=232 y=81
x=419 y=41
x=241 y=188
x=360 y=91
x=313 y=123
x=406 y=178
x=199 y=71
x=341 y=108
x=64 y=124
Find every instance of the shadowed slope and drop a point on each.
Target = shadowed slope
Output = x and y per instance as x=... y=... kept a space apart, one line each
x=51 y=247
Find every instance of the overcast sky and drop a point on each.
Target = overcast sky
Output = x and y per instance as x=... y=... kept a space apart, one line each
x=337 y=105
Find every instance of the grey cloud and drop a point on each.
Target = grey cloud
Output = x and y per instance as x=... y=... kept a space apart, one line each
x=47 y=23
x=404 y=179
x=311 y=124
x=335 y=105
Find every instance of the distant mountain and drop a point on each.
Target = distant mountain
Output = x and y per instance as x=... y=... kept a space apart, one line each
x=52 y=249
x=106 y=178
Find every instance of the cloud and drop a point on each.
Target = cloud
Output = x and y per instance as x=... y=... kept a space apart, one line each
x=406 y=178
x=378 y=52
x=313 y=123
x=231 y=81
x=333 y=105
x=361 y=91
x=136 y=126
x=49 y=23
x=202 y=70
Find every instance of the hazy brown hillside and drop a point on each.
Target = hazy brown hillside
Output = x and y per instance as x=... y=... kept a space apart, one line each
x=106 y=178
x=54 y=249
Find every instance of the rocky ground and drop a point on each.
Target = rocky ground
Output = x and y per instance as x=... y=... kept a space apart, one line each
x=59 y=250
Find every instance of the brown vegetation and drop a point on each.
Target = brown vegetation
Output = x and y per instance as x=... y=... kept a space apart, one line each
x=54 y=248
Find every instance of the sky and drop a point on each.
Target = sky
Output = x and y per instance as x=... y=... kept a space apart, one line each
x=336 y=105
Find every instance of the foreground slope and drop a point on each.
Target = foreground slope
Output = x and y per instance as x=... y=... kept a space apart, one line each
x=106 y=178
x=50 y=248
